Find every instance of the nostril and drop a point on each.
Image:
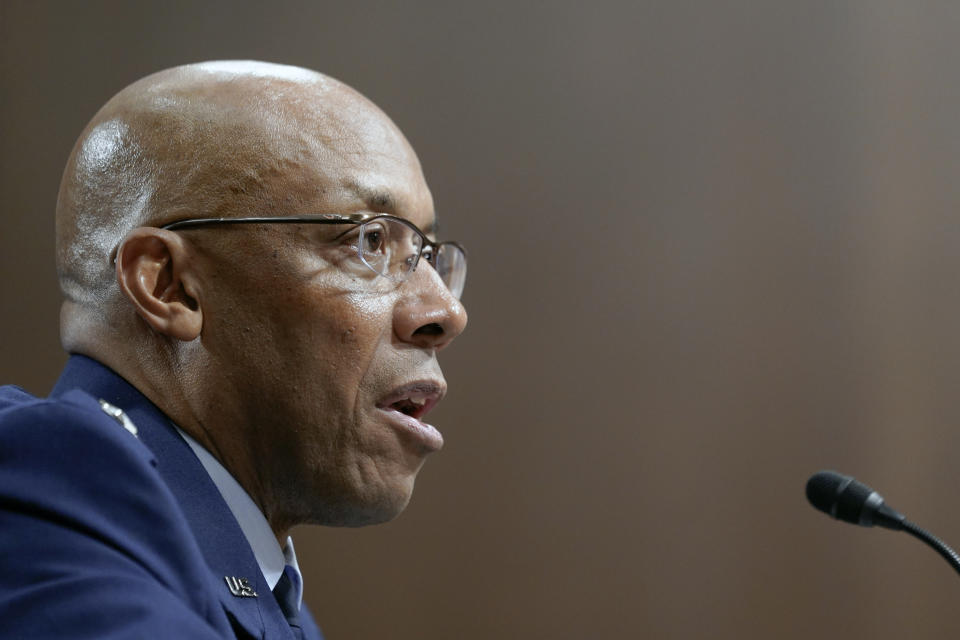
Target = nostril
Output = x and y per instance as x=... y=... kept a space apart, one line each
x=432 y=329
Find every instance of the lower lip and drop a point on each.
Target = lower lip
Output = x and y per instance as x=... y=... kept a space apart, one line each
x=427 y=435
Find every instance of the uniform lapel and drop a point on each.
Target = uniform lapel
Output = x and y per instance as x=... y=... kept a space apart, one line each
x=235 y=575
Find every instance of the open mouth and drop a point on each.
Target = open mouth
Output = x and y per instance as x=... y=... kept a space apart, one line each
x=414 y=400
x=405 y=409
x=413 y=406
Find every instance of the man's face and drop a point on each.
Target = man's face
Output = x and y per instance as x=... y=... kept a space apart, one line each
x=325 y=370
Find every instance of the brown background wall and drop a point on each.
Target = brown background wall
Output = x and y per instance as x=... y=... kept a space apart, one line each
x=714 y=248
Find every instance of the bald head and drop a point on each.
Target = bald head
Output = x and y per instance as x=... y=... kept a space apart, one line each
x=205 y=140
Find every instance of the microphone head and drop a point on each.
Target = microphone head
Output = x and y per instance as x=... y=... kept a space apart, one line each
x=845 y=499
x=824 y=488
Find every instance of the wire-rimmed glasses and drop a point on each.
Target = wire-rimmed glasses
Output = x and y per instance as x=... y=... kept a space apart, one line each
x=388 y=245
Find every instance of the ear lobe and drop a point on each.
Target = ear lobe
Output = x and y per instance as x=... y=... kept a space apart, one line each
x=153 y=273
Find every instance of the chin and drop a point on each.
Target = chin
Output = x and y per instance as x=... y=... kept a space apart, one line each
x=366 y=507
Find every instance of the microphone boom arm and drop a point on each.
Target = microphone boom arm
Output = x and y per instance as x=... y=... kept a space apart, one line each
x=934 y=542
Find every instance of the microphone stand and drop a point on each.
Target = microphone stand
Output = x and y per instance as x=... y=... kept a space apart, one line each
x=934 y=542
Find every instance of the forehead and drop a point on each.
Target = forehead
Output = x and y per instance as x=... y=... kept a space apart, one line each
x=344 y=155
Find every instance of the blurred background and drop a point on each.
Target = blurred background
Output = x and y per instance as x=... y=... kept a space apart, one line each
x=713 y=250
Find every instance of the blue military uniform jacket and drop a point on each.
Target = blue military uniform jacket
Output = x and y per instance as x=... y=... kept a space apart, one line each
x=106 y=534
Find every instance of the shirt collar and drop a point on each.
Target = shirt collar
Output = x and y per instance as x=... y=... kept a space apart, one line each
x=270 y=557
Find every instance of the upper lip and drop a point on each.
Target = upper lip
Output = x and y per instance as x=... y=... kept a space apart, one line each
x=415 y=398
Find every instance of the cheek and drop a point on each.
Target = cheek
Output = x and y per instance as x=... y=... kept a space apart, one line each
x=368 y=314
x=303 y=323
x=333 y=337
x=361 y=326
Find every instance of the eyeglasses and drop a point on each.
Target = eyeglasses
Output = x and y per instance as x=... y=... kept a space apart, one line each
x=388 y=245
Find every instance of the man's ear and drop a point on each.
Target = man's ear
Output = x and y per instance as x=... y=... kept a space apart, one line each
x=155 y=273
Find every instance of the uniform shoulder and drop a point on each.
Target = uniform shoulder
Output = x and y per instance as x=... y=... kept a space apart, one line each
x=68 y=425
x=93 y=543
x=13 y=396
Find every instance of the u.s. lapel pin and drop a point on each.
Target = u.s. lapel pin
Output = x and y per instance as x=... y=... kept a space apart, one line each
x=117 y=414
x=240 y=587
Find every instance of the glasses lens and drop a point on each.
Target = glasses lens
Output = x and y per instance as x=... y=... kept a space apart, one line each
x=389 y=247
x=451 y=264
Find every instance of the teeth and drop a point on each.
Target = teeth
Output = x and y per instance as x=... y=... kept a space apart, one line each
x=418 y=400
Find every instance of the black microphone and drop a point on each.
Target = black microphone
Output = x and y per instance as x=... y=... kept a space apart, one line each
x=845 y=499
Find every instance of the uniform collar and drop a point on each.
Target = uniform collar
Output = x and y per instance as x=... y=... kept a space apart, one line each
x=270 y=557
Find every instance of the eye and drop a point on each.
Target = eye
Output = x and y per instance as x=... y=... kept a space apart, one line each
x=373 y=239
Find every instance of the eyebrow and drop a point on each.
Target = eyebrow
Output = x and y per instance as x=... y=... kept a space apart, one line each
x=385 y=202
x=381 y=200
x=374 y=197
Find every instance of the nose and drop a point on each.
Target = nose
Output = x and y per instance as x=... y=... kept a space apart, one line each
x=427 y=314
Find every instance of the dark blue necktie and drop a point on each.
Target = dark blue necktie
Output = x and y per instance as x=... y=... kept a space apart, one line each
x=286 y=594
